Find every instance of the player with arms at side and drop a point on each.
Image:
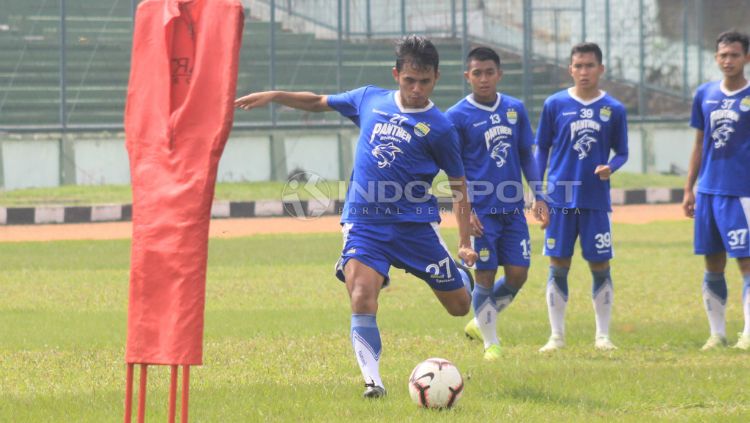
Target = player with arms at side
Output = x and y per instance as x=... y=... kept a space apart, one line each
x=720 y=162
x=496 y=146
x=404 y=141
x=581 y=125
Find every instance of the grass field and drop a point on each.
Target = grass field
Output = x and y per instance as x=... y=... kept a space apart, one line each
x=277 y=346
x=251 y=191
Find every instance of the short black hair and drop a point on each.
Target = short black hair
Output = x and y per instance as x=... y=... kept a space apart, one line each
x=733 y=36
x=481 y=54
x=587 y=48
x=417 y=50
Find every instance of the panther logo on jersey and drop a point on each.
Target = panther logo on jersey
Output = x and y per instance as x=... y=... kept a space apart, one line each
x=583 y=146
x=386 y=154
x=721 y=135
x=499 y=153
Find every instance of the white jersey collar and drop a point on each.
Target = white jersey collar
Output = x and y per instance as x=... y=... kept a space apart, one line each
x=731 y=93
x=478 y=105
x=403 y=109
x=586 y=102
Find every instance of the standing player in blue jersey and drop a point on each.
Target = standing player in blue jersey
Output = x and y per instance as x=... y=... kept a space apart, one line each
x=721 y=163
x=496 y=146
x=389 y=217
x=580 y=125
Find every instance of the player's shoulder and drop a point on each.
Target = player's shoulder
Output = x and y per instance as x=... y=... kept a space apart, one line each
x=613 y=103
x=560 y=97
x=509 y=101
x=458 y=112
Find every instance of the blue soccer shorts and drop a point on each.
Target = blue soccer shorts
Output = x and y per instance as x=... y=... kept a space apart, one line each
x=593 y=226
x=413 y=246
x=505 y=241
x=722 y=224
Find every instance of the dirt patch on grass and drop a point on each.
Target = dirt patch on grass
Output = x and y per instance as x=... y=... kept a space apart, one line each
x=232 y=228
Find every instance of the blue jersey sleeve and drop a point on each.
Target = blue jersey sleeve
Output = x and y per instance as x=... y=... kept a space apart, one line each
x=545 y=133
x=447 y=153
x=620 y=143
x=348 y=103
x=456 y=119
x=544 y=136
x=525 y=147
x=696 y=116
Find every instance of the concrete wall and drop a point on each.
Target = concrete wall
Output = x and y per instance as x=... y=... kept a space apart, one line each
x=267 y=155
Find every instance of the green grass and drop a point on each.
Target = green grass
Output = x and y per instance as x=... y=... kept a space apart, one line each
x=277 y=346
x=252 y=191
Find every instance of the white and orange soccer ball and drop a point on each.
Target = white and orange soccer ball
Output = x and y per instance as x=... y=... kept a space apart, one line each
x=436 y=383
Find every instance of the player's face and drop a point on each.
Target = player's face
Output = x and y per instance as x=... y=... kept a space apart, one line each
x=585 y=70
x=483 y=76
x=731 y=59
x=415 y=85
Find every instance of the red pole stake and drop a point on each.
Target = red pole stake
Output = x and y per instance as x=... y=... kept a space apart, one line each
x=142 y=394
x=185 y=392
x=172 y=393
x=129 y=394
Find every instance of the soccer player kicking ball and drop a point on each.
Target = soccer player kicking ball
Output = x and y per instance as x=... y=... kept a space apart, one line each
x=389 y=217
x=581 y=125
x=721 y=162
x=496 y=144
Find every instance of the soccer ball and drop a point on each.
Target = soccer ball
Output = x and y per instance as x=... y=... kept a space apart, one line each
x=435 y=383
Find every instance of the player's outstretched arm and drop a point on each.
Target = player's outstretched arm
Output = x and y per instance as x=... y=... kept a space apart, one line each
x=301 y=100
x=462 y=211
x=688 y=199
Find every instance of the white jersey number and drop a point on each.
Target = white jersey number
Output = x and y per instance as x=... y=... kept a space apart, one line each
x=435 y=268
x=603 y=240
x=737 y=237
x=587 y=113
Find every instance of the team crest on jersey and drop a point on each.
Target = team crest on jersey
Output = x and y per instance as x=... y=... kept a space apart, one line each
x=605 y=113
x=421 y=129
x=512 y=116
x=721 y=135
x=583 y=146
x=745 y=104
x=484 y=254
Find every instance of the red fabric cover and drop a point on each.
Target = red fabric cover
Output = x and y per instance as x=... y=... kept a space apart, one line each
x=178 y=116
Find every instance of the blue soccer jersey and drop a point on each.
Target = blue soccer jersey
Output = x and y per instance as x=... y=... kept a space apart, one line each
x=724 y=118
x=496 y=144
x=399 y=152
x=581 y=135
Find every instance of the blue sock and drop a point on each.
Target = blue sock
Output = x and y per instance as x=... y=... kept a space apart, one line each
x=746 y=285
x=600 y=278
x=559 y=276
x=716 y=284
x=501 y=289
x=367 y=347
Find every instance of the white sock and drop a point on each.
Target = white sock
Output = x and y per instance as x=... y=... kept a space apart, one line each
x=602 y=296
x=486 y=318
x=367 y=347
x=746 y=304
x=557 y=301
x=715 y=301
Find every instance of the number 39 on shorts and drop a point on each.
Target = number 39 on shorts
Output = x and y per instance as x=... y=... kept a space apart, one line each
x=603 y=240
